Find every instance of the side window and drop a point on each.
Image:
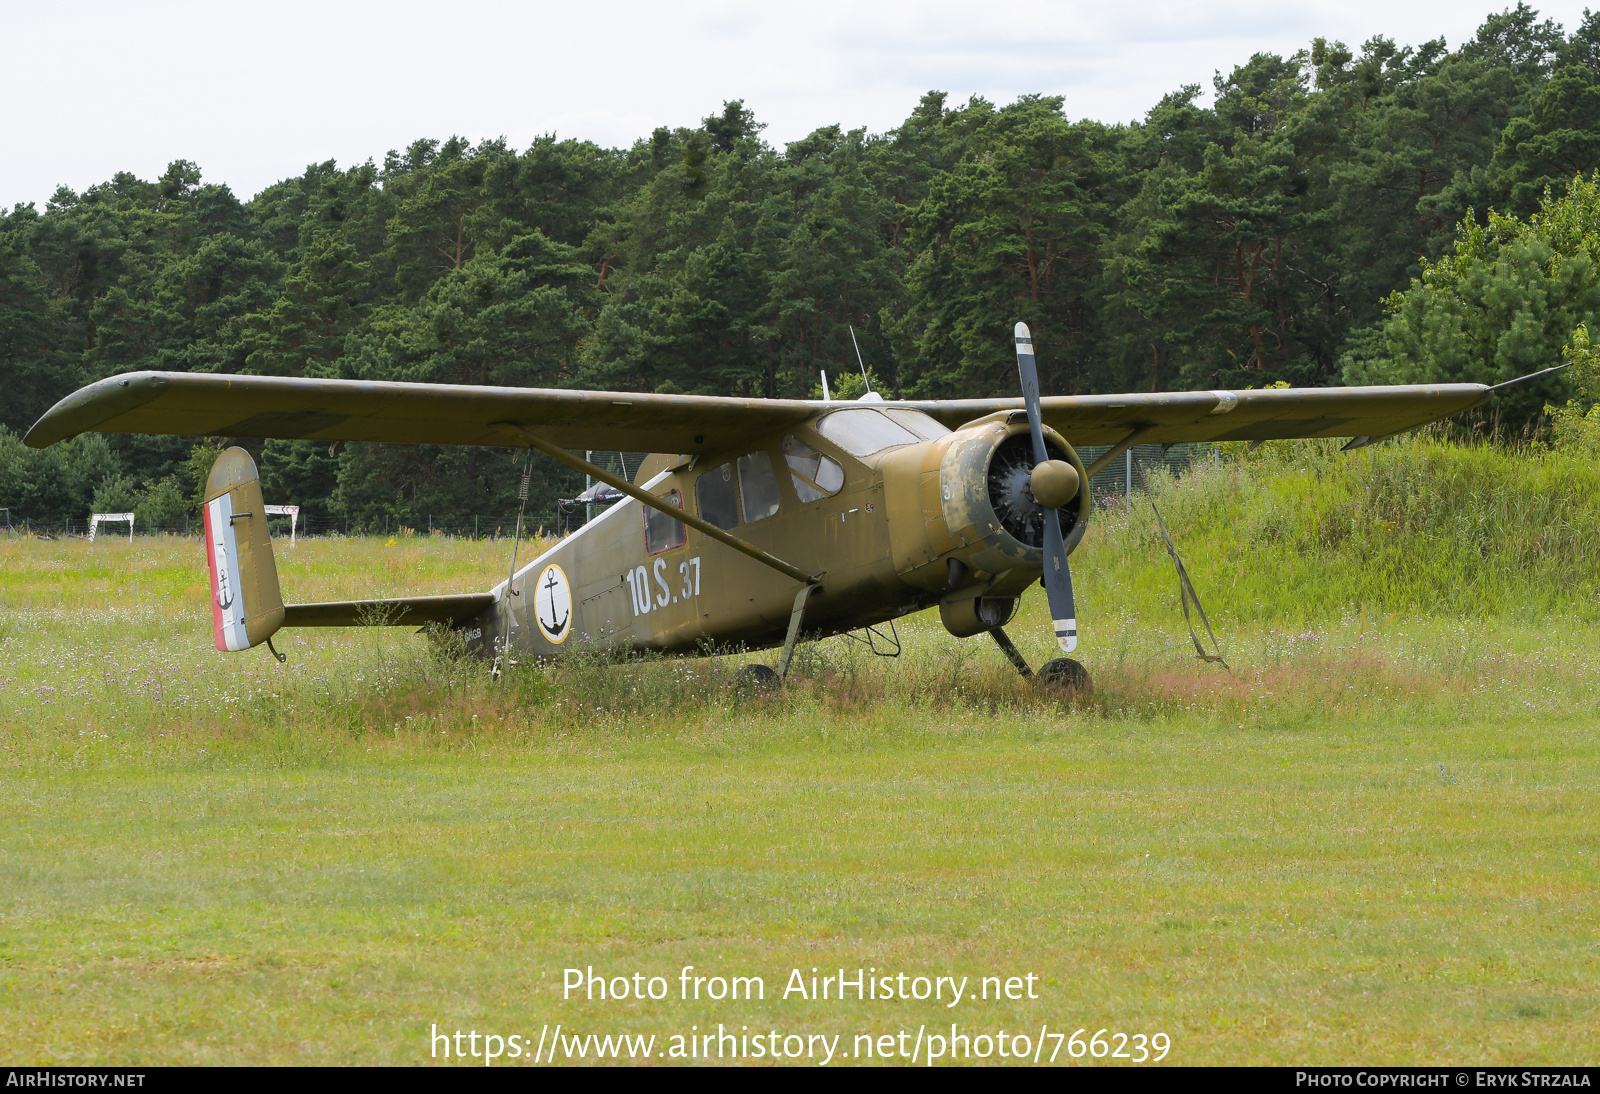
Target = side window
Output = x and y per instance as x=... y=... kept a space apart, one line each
x=714 y=497
x=758 y=487
x=661 y=532
x=814 y=475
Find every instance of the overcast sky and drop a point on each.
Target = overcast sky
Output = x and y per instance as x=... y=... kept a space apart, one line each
x=253 y=92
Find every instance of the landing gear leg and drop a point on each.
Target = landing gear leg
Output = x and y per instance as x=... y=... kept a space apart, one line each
x=1014 y=655
x=795 y=618
x=1063 y=673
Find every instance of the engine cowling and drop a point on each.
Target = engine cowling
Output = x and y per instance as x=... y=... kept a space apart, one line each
x=963 y=521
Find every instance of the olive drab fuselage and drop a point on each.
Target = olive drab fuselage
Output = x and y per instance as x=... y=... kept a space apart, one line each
x=893 y=531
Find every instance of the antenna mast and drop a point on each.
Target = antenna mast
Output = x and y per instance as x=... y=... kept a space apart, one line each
x=859 y=361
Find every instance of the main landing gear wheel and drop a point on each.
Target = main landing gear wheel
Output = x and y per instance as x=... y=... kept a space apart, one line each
x=758 y=678
x=1064 y=674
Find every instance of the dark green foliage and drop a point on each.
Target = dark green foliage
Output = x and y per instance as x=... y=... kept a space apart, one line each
x=36 y=368
x=1508 y=300
x=59 y=483
x=390 y=485
x=1559 y=140
x=1011 y=231
x=304 y=472
x=1243 y=243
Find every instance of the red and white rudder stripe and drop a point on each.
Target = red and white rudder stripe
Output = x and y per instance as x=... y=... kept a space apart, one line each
x=227 y=598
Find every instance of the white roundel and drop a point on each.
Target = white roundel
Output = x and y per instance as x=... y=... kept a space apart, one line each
x=552 y=604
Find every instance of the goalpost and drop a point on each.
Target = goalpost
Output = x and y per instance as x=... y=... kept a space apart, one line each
x=290 y=511
x=96 y=519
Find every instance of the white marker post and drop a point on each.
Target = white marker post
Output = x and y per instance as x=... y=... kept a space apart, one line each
x=115 y=518
x=290 y=511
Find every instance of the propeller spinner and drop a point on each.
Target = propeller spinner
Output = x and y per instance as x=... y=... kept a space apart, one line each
x=1054 y=483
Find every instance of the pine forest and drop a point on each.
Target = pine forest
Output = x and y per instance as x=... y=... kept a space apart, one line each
x=1372 y=214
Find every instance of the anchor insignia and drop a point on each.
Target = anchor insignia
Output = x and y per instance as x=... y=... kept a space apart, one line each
x=555 y=626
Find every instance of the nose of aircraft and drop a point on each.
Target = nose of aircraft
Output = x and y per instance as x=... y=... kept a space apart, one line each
x=1054 y=483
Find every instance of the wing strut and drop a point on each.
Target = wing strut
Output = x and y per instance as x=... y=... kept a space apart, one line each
x=660 y=504
x=1114 y=451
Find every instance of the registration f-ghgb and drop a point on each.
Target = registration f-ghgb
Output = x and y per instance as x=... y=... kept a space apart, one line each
x=755 y=519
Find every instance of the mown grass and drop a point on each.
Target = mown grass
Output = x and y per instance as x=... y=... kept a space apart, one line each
x=1369 y=838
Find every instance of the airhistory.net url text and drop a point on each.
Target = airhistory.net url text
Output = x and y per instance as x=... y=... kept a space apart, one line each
x=557 y=1045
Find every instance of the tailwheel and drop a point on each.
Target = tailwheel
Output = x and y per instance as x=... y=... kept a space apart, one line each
x=1065 y=674
x=758 y=678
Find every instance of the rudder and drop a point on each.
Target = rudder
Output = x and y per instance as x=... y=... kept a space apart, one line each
x=246 y=603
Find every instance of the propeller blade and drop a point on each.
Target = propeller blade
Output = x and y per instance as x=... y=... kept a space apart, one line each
x=1058 y=585
x=1057 y=579
x=1029 y=371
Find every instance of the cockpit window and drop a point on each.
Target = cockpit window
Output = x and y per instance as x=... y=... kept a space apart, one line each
x=814 y=475
x=715 y=497
x=758 y=486
x=861 y=432
x=661 y=532
x=919 y=423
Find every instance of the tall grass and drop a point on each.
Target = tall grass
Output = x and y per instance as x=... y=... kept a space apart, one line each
x=1438 y=579
x=1302 y=531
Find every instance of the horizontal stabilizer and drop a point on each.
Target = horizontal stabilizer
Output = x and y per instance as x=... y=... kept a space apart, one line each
x=404 y=611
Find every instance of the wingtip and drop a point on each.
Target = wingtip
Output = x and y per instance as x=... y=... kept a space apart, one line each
x=91 y=406
x=1021 y=333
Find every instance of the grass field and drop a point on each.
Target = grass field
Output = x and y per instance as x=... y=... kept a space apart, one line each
x=1370 y=838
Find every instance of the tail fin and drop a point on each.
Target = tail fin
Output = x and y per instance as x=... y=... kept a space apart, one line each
x=246 y=604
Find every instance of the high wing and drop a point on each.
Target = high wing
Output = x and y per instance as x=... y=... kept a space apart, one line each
x=206 y=404
x=1259 y=415
x=211 y=405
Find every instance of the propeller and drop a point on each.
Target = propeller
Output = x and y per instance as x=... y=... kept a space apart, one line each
x=1054 y=483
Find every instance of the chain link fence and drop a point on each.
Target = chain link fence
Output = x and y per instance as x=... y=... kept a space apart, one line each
x=471 y=526
x=1125 y=475
x=564 y=516
x=1115 y=485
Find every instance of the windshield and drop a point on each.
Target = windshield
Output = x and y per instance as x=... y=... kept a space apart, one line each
x=861 y=432
x=919 y=423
